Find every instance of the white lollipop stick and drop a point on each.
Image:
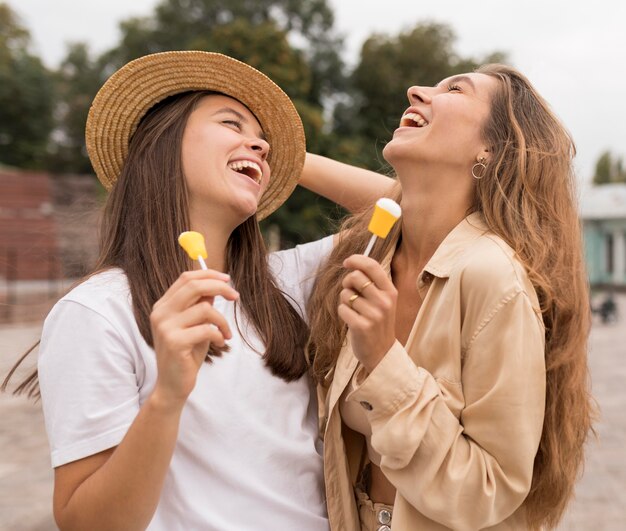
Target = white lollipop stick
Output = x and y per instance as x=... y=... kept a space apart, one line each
x=368 y=249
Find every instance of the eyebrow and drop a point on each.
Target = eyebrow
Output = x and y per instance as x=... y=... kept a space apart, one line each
x=458 y=79
x=241 y=117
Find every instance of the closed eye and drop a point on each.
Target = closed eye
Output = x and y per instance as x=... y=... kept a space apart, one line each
x=452 y=88
x=236 y=123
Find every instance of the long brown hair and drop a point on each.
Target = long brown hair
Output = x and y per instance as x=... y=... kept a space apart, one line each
x=144 y=214
x=528 y=198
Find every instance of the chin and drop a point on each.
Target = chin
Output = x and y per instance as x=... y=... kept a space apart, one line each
x=234 y=215
x=389 y=151
x=392 y=156
x=248 y=216
x=247 y=211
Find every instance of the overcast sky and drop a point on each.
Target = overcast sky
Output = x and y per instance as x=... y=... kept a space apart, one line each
x=572 y=51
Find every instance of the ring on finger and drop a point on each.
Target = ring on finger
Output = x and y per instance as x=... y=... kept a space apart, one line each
x=352 y=299
x=365 y=285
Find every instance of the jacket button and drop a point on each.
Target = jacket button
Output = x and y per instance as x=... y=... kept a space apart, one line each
x=366 y=405
x=384 y=517
x=384 y=528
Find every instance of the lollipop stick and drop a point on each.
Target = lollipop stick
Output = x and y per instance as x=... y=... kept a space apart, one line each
x=202 y=264
x=370 y=245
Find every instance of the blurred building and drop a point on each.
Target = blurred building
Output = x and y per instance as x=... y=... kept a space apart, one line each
x=29 y=245
x=603 y=211
x=48 y=225
x=48 y=238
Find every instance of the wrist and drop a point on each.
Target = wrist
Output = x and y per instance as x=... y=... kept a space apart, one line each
x=371 y=362
x=164 y=404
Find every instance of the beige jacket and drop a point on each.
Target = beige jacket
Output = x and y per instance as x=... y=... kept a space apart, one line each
x=457 y=413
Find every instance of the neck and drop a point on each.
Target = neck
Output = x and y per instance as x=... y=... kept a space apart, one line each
x=216 y=240
x=427 y=218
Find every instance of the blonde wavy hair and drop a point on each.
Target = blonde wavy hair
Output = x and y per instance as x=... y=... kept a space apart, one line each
x=528 y=198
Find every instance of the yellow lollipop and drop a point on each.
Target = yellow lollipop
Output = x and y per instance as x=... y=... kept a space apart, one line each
x=386 y=213
x=193 y=243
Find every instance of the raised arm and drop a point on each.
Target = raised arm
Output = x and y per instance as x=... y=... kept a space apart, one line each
x=351 y=187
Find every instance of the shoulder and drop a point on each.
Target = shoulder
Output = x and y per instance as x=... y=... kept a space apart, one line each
x=105 y=294
x=495 y=292
x=107 y=286
x=490 y=261
x=301 y=257
x=294 y=270
x=92 y=325
x=490 y=274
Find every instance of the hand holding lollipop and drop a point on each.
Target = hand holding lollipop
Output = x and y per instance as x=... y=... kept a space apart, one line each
x=368 y=299
x=185 y=323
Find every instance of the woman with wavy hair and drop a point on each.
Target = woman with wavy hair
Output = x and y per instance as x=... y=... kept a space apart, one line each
x=452 y=363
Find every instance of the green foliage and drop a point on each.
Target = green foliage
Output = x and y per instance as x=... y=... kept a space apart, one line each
x=211 y=24
x=78 y=79
x=609 y=170
x=26 y=97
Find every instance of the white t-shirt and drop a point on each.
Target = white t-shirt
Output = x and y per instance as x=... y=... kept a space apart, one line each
x=247 y=455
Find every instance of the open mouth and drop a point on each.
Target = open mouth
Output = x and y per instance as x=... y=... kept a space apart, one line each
x=248 y=168
x=412 y=119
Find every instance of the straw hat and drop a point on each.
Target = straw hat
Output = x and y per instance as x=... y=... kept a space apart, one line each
x=136 y=87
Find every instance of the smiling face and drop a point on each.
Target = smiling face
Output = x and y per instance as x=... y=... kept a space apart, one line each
x=441 y=130
x=224 y=157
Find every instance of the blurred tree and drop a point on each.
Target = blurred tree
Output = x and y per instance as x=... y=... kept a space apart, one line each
x=195 y=24
x=602 y=174
x=388 y=66
x=26 y=97
x=78 y=79
x=609 y=170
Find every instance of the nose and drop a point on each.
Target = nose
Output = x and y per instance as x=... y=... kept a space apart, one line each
x=260 y=146
x=418 y=94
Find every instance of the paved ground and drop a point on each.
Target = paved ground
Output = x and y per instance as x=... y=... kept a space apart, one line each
x=25 y=473
x=600 y=505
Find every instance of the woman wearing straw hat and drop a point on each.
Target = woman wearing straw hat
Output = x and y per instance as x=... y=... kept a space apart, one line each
x=146 y=429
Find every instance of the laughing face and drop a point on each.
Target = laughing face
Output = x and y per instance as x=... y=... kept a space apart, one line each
x=224 y=156
x=441 y=130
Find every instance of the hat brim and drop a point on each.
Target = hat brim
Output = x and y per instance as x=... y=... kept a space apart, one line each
x=134 y=89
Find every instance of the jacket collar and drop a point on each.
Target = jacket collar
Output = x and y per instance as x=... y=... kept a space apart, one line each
x=451 y=248
x=455 y=244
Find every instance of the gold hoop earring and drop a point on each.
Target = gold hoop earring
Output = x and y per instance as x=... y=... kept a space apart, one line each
x=479 y=169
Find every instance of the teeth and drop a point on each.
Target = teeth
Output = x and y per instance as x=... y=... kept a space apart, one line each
x=413 y=119
x=254 y=169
